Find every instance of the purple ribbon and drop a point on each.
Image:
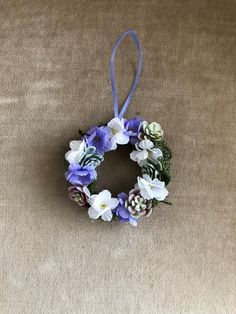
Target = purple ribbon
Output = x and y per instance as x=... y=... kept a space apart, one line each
x=112 y=74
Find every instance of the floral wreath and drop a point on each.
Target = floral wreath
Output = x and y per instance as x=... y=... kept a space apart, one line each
x=150 y=152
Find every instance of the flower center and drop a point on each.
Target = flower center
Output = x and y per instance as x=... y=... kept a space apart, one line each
x=103 y=206
x=114 y=131
x=97 y=139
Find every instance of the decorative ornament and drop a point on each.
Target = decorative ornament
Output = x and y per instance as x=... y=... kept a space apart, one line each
x=150 y=152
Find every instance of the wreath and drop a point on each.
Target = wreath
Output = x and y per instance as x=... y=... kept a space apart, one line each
x=150 y=152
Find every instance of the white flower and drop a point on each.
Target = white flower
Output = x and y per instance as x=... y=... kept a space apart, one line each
x=145 y=150
x=150 y=189
x=101 y=205
x=118 y=132
x=77 y=150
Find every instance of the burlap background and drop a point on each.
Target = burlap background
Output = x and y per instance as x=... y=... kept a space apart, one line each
x=54 y=79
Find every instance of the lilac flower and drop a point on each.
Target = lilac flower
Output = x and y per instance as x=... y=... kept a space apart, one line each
x=133 y=127
x=122 y=212
x=99 y=137
x=80 y=175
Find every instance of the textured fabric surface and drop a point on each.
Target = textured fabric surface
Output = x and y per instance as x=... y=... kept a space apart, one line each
x=54 y=79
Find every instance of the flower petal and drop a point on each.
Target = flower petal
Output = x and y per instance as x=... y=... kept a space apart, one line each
x=123 y=213
x=107 y=216
x=134 y=155
x=158 y=183
x=105 y=195
x=156 y=153
x=145 y=189
x=113 y=203
x=122 y=138
x=92 y=199
x=133 y=221
x=73 y=156
x=147 y=178
x=160 y=194
x=142 y=155
x=93 y=214
x=113 y=144
x=116 y=124
x=146 y=193
x=146 y=144
x=75 y=145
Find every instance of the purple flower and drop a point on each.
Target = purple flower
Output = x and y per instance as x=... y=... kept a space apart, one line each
x=99 y=137
x=133 y=128
x=122 y=212
x=80 y=175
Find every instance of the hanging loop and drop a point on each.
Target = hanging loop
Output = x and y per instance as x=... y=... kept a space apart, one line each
x=112 y=74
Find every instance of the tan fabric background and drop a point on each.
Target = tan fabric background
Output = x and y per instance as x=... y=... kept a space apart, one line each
x=54 y=79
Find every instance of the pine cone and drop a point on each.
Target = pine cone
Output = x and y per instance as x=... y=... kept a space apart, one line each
x=137 y=205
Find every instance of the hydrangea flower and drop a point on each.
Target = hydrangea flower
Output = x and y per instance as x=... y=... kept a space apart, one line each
x=145 y=150
x=99 y=137
x=119 y=132
x=133 y=127
x=150 y=189
x=122 y=212
x=102 y=205
x=80 y=175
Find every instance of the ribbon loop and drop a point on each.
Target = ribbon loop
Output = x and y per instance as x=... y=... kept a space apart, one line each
x=112 y=74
